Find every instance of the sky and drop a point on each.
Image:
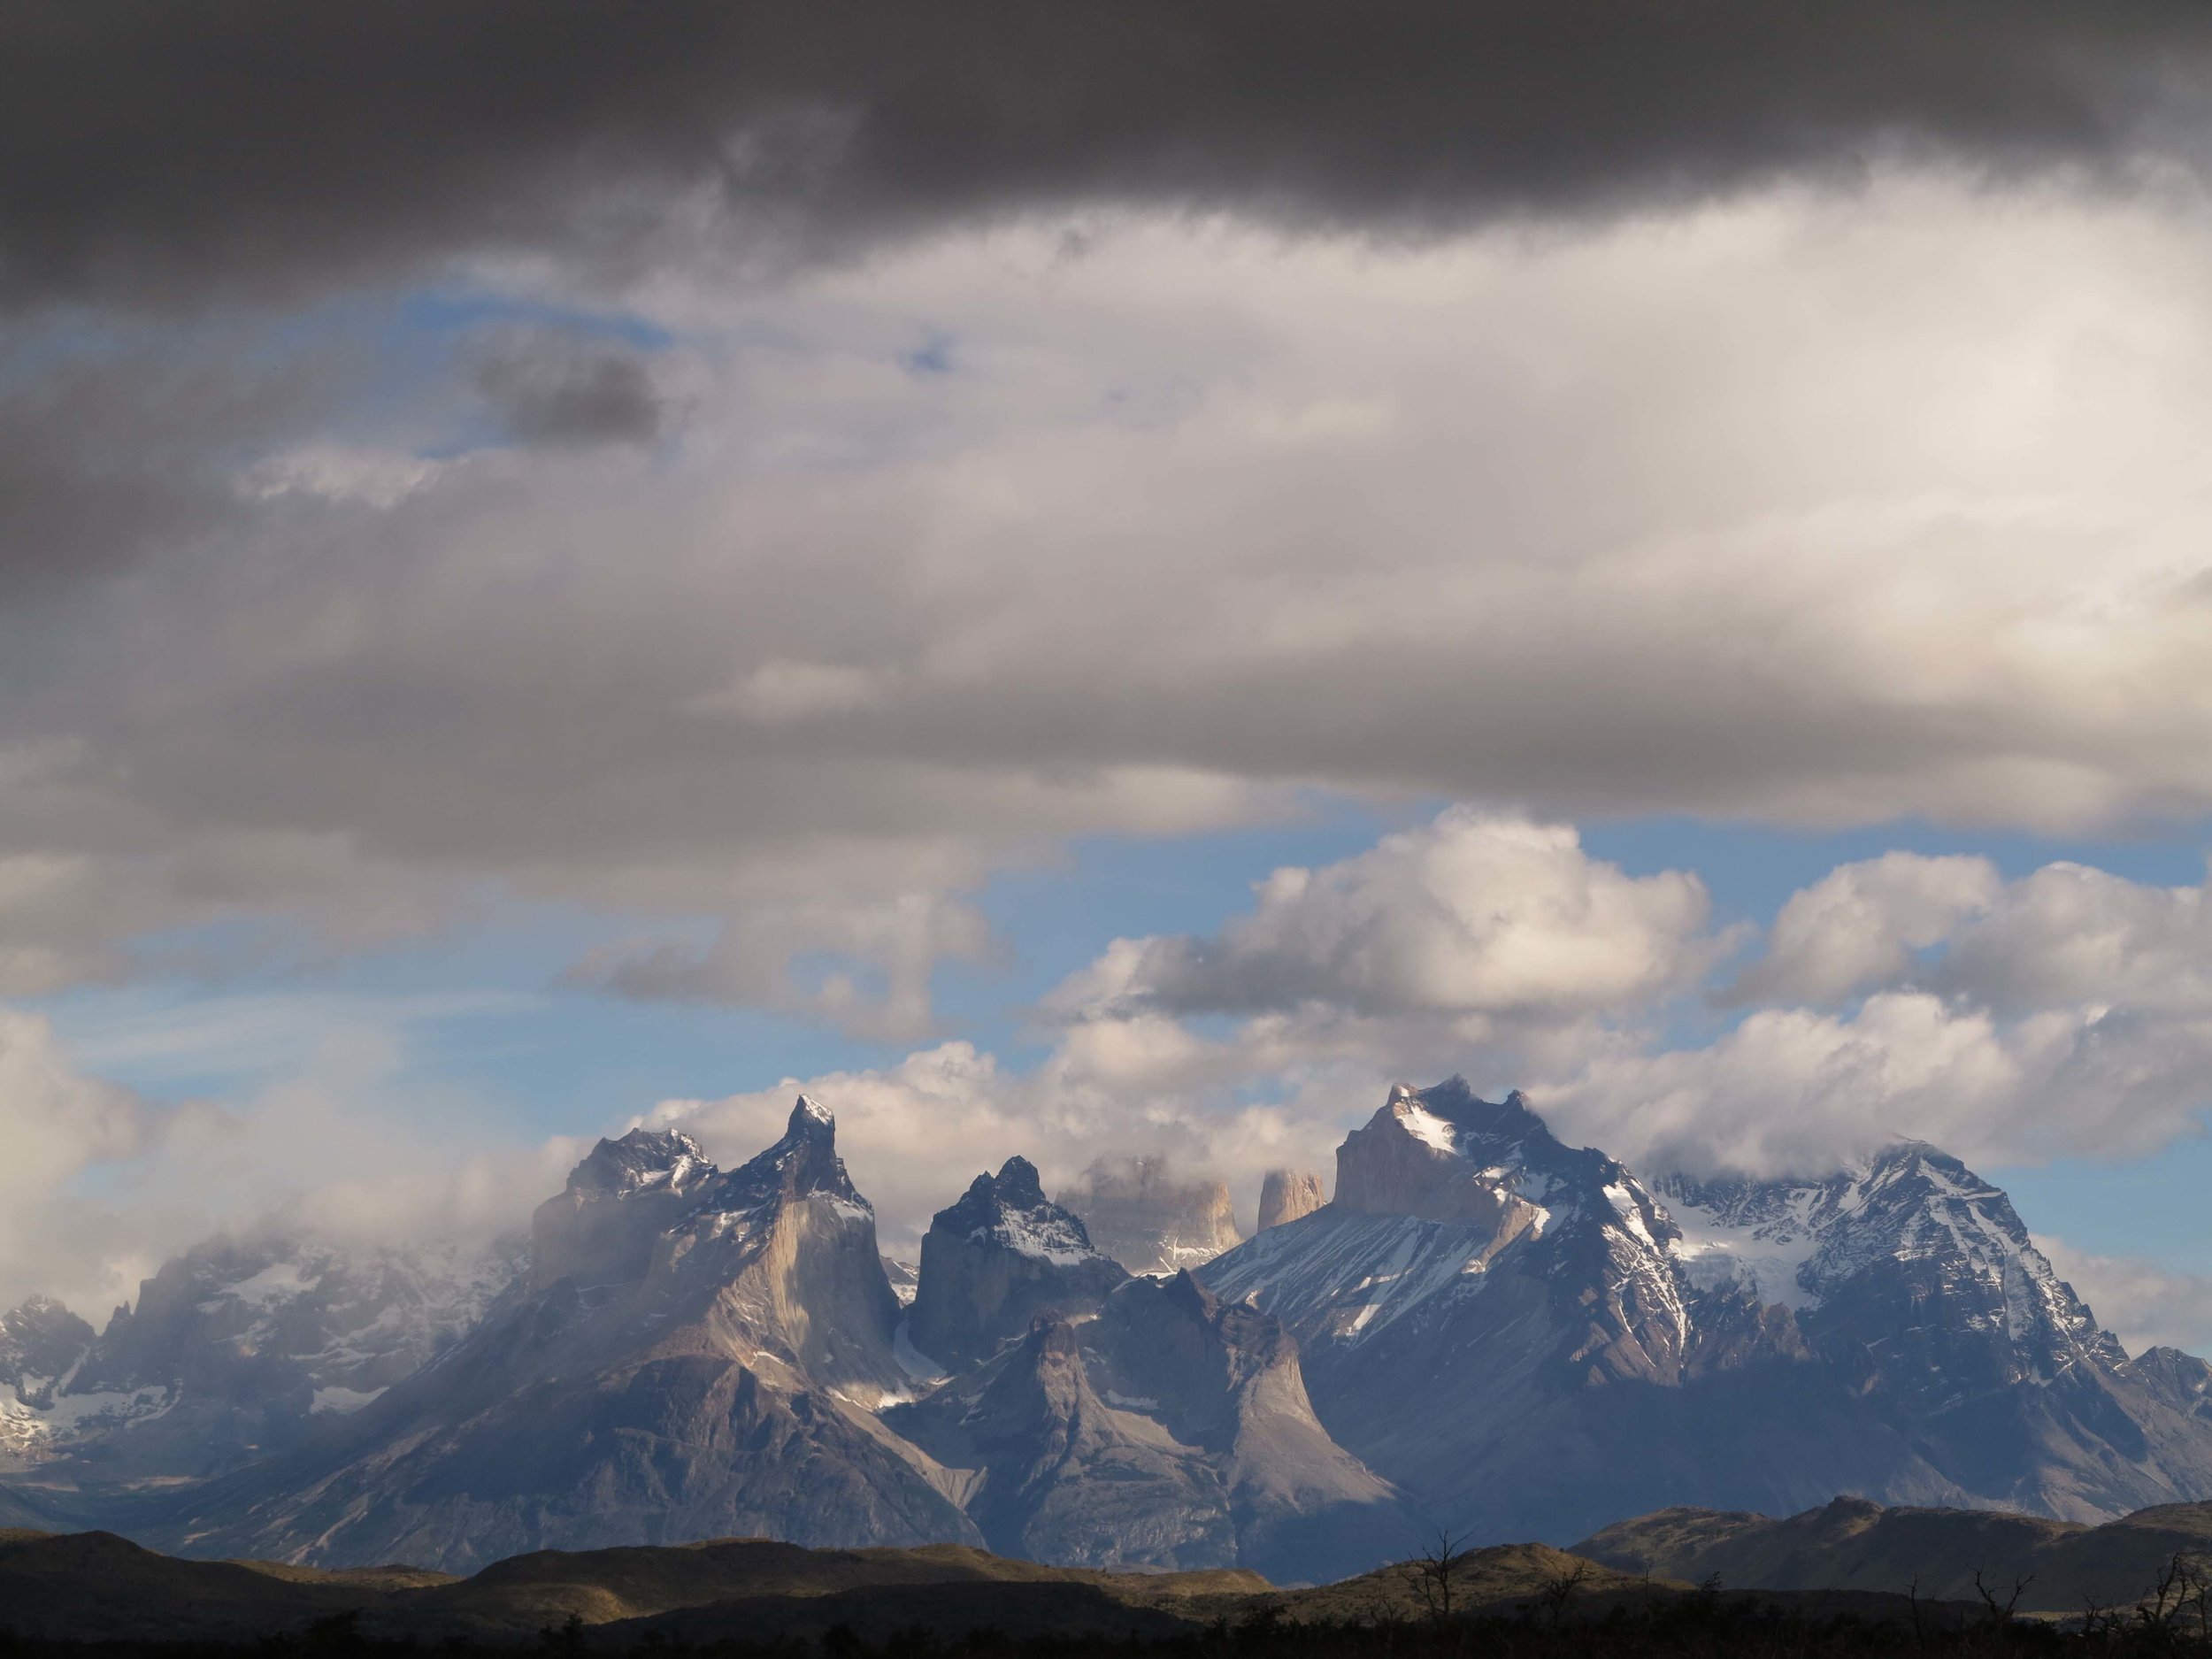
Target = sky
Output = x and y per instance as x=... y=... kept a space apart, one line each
x=1105 y=580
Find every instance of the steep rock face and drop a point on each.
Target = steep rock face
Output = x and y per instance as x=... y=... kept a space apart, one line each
x=1918 y=1283
x=1499 y=1323
x=1171 y=1431
x=993 y=1261
x=1139 y=1213
x=1286 y=1194
x=2177 y=1380
x=42 y=1344
x=906 y=1279
x=705 y=1362
x=242 y=1346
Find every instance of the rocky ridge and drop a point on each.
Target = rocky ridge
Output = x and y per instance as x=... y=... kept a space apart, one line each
x=1916 y=1282
x=1172 y=1431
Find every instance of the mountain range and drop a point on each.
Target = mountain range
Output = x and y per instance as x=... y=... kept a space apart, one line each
x=1531 y=1339
x=1482 y=1329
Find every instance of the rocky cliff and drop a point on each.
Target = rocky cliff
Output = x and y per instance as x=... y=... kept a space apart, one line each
x=1286 y=1194
x=994 y=1261
x=1172 y=1431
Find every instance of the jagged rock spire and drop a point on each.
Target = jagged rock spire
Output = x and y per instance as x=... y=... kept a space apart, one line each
x=997 y=1259
x=1286 y=1194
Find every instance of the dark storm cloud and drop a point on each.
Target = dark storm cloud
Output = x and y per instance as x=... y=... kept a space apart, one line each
x=551 y=388
x=157 y=151
x=112 y=450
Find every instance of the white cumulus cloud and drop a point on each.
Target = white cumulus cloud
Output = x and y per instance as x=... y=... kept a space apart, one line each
x=1473 y=915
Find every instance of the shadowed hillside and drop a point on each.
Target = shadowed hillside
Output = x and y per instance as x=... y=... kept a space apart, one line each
x=1853 y=1544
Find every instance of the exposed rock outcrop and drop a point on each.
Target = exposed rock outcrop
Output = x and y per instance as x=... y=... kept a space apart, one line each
x=994 y=1261
x=2176 y=1379
x=604 y=1228
x=1286 y=1194
x=1172 y=1431
x=1917 y=1282
x=41 y=1341
x=1150 y=1219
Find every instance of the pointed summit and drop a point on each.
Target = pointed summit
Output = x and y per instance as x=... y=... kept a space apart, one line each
x=1018 y=1186
x=1286 y=1194
x=804 y=1161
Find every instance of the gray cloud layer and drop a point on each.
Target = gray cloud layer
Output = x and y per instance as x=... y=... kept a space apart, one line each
x=1651 y=408
x=164 y=153
x=1166 y=530
x=545 y=387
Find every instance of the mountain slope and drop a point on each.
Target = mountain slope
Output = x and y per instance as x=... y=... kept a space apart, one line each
x=1917 y=1282
x=1498 y=1324
x=1171 y=1432
x=1524 y=1335
x=695 y=1354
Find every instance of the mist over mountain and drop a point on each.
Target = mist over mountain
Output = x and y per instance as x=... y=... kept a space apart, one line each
x=1148 y=1213
x=239 y=1346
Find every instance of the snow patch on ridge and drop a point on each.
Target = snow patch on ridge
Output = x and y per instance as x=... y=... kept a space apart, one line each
x=1366 y=1272
x=1427 y=1128
x=1043 y=1235
x=925 y=1370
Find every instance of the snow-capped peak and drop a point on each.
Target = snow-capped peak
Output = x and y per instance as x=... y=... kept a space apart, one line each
x=1908 y=1209
x=804 y=1161
x=1011 y=1210
x=1445 y=1154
